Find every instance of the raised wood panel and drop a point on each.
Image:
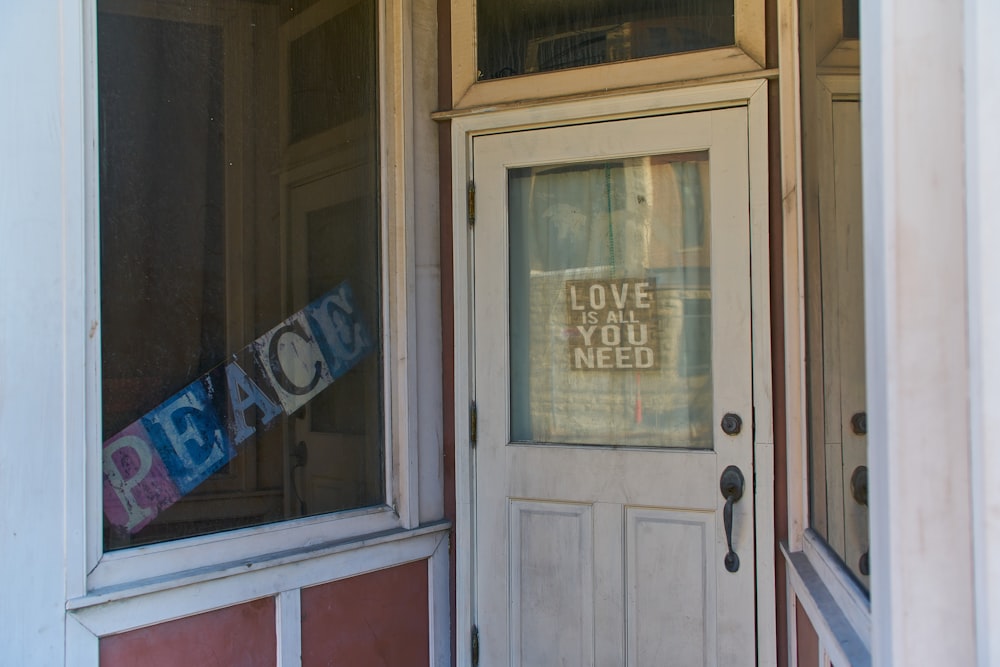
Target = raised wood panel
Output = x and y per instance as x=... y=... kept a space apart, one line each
x=670 y=609
x=551 y=583
x=240 y=635
x=375 y=619
x=806 y=640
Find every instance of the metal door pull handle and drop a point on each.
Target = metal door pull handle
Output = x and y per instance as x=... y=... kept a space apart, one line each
x=731 y=484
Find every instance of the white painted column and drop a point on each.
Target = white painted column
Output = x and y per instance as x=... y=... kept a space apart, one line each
x=982 y=75
x=917 y=343
x=42 y=334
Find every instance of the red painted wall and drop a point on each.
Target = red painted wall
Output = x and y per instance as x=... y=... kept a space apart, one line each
x=375 y=620
x=806 y=640
x=243 y=635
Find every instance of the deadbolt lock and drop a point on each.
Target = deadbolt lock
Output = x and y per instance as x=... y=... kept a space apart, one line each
x=732 y=423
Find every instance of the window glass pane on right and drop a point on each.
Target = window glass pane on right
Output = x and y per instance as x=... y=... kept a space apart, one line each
x=527 y=36
x=834 y=273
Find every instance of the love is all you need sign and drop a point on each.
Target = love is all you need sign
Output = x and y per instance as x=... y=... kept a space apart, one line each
x=612 y=324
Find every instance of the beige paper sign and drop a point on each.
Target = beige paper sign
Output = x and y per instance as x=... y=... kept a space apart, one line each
x=612 y=324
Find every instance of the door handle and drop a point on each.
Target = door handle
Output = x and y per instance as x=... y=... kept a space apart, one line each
x=731 y=484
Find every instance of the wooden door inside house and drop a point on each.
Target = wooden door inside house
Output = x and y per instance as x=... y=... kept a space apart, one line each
x=613 y=501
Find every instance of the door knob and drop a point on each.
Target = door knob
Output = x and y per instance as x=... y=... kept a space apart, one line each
x=731 y=484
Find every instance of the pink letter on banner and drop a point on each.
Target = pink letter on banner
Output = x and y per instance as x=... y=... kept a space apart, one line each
x=136 y=484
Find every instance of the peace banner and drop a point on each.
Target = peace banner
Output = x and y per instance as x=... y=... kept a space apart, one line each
x=165 y=454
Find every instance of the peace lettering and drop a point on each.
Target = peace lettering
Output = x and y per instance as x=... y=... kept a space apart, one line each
x=168 y=452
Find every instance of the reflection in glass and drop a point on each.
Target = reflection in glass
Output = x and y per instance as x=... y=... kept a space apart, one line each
x=834 y=281
x=852 y=23
x=610 y=302
x=525 y=36
x=217 y=122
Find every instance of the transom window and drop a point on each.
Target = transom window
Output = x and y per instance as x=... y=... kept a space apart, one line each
x=527 y=36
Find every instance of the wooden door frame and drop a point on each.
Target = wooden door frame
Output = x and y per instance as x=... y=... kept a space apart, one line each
x=464 y=128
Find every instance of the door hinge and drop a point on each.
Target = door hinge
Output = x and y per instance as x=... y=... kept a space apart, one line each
x=472 y=203
x=473 y=423
x=475 y=646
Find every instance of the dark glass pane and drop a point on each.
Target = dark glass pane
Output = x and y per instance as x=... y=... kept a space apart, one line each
x=851 y=20
x=162 y=205
x=331 y=69
x=834 y=280
x=525 y=36
x=240 y=279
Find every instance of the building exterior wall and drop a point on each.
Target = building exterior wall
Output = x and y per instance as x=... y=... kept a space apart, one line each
x=930 y=166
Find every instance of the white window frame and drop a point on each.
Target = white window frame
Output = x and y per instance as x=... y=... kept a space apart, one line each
x=140 y=570
x=745 y=57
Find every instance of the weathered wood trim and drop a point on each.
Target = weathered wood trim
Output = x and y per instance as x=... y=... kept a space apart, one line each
x=916 y=298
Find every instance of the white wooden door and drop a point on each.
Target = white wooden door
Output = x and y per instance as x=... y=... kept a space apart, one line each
x=612 y=339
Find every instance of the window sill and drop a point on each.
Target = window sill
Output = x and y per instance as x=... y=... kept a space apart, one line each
x=353 y=555
x=837 y=607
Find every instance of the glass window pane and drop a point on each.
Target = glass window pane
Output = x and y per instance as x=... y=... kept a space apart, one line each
x=835 y=322
x=610 y=273
x=240 y=264
x=525 y=36
x=851 y=19
x=835 y=341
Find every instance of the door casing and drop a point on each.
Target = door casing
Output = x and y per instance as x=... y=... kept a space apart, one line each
x=751 y=94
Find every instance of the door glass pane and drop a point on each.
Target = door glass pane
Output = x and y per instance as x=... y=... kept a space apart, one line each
x=240 y=264
x=611 y=302
x=525 y=36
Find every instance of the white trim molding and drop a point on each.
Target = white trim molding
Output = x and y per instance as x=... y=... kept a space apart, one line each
x=914 y=156
x=983 y=201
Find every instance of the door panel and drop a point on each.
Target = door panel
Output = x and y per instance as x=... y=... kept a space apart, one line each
x=670 y=556
x=551 y=575
x=612 y=334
